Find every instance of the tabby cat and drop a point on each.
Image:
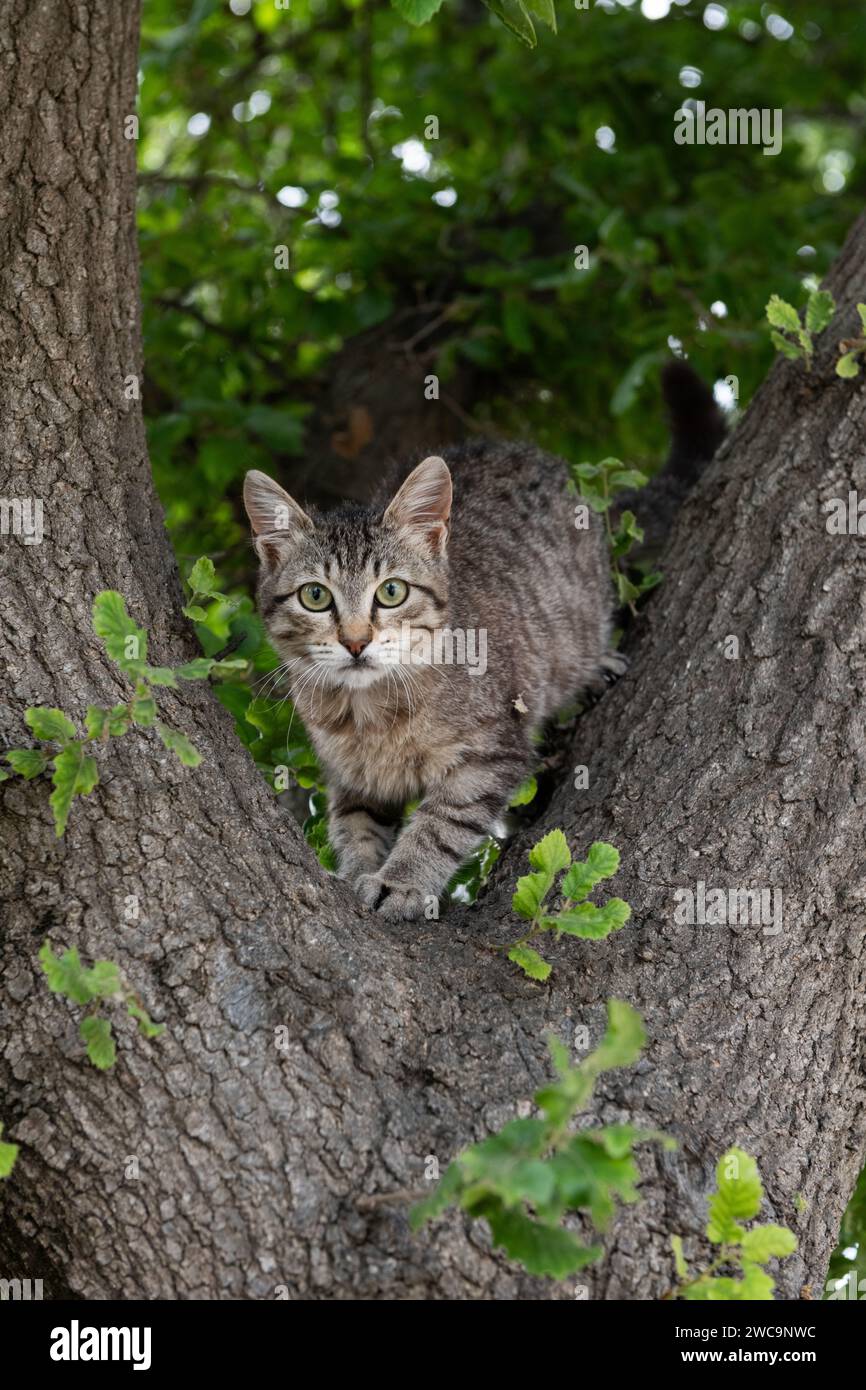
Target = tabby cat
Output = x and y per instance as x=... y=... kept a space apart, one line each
x=354 y=602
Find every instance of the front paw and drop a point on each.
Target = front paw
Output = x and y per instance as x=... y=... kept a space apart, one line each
x=396 y=901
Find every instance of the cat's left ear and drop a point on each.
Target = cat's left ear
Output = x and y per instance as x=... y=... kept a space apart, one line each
x=274 y=516
x=423 y=505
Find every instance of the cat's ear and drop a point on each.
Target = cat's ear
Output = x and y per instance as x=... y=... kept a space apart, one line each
x=275 y=517
x=423 y=505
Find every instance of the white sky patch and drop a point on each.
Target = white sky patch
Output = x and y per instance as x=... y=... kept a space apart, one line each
x=806 y=250
x=413 y=156
x=675 y=346
x=715 y=17
x=292 y=197
x=690 y=77
x=199 y=124
x=655 y=9
x=240 y=6
x=259 y=103
x=445 y=197
x=724 y=395
x=719 y=308
x=779 y=27
x=605 y=137
x=326 y=211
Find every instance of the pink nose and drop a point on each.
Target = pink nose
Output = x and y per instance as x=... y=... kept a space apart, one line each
x=355 y=646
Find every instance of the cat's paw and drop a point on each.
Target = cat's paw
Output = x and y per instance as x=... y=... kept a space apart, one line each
x=398 y=902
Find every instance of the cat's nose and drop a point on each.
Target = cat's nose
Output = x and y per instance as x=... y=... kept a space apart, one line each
x=355 y=645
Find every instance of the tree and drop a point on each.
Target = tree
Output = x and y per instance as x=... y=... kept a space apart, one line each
x=312 y=1059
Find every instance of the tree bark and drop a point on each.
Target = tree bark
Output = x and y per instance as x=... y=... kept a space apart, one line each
x=215 y=1162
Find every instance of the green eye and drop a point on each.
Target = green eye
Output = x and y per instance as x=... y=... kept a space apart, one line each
x=315 y=597
x=391 y=593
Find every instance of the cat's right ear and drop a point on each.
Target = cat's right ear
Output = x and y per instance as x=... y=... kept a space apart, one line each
x=275 y=517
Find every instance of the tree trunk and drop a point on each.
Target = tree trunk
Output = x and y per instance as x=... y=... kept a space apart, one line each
x=312 y=1058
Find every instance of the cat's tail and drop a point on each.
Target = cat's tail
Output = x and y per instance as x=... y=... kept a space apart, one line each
x=697 y=423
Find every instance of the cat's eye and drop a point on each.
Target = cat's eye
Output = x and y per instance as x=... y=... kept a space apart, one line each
x=315 y=597
x=392 y=592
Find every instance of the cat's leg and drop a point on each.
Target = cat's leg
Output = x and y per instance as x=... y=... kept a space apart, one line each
x=361 y=835
x=452 y=819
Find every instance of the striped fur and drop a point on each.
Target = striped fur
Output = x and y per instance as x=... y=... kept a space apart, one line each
x=510 y=561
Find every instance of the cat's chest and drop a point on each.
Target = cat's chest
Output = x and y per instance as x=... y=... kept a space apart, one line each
x=393 y=765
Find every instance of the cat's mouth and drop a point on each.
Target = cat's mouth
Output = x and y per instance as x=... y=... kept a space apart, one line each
x=359 y=672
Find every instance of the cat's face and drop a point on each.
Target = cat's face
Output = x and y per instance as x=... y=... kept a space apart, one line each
x=341 y=595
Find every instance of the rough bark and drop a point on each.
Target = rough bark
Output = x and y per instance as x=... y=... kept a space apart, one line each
x=260 y=1167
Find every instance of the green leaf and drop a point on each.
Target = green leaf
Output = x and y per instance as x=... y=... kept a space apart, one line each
x=50 y=724
x=144 y=710
x=820 y=308
x=115 y=720
x=125 y=641
x=96 y=1032
x=763 y=1243
x=861 y=310
x=75 y=774
x=65 y=974
x=514 y=16
x=525 y=792
x=530 y=962
x=103 y=979
x=543 y=10
x=603 y=859
x=551 y=854
x=541 y=1249
x=178 y=743
x=446 y=1192
x=530 y=894
x=157 y=675
x=417 y=11
x=559 y=1054
x=8 y=1155
x=780 y=314
x=679 y=1258
x=601 y=862
x=622 y=1041
x=202 y=577
x=737 y=1198
x=27 y=762
x=195 y=612
x=146 y=1026
x=591 y=922
x=786 y=347
x=195 y=670
x=848 y=365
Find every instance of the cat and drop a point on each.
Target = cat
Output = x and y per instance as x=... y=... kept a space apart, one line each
x=486 y=540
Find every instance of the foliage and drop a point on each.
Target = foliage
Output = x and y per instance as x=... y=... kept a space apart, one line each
x=737 y=1198
x=8 y=1155
x=853 y=350
x=578 y=917
x=524 y=1179
x=848 y=1263
x=792 y=338
x=598 y=483
x=75 y=770
x=102 y=982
